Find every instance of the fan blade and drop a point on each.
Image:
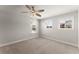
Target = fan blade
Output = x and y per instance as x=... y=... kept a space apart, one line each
x=41 y=10
x=38 y=14
x=24 y=12
x=28 y=7
x=33 y=8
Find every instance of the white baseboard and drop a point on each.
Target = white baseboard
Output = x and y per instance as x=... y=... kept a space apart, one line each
x=64 y=42
x=43 y=36
x=10 y=43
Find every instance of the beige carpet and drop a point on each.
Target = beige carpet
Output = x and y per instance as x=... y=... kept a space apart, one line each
x=38 y=46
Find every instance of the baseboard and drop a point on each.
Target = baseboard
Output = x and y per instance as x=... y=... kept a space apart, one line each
x=10 y=43
x=60 y=41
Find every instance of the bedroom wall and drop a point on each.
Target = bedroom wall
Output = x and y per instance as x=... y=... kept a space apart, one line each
x=61 y=35
x=16 y=26
x=78 y=27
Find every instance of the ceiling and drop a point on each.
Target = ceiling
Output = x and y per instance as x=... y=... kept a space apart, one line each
x=53 y=10
x=50 y=10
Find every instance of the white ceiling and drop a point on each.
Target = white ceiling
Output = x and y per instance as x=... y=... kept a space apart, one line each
x=50 y=10
x=53 y=10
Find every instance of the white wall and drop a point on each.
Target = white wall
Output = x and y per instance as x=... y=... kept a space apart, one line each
x=64 y=35
x=16 y=26
x=78 y=27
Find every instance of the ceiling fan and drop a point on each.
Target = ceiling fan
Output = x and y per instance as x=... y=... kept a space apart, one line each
x=33 y=11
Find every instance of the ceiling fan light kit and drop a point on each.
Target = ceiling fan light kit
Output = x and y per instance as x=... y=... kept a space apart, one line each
x=33 y=11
